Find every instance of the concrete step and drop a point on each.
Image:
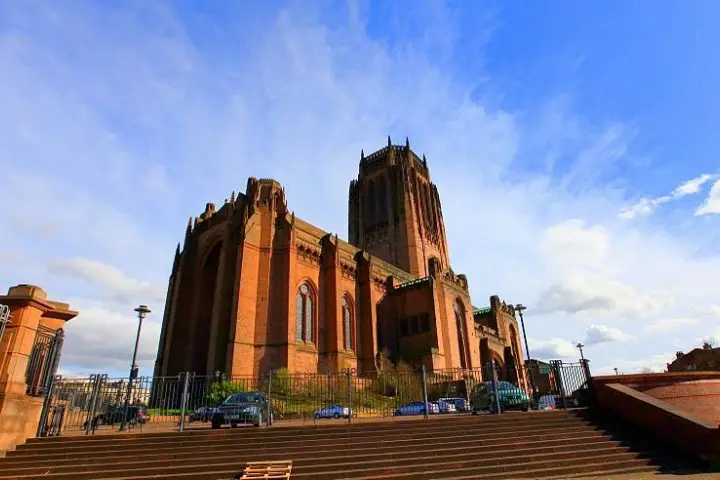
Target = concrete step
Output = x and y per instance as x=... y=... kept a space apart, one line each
x=406 y=423
x=524 y=445
x=502 y=468
x=498 y=468
x=253 y=436
x=383 y=452
x=298 y=446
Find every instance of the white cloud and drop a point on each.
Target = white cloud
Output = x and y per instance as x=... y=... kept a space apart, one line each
x=670 y=324
x=654 y=363
x=112 y=152
x=647 y=205
x=597 y=334
x=712 y=202
x=553 y=349
x=100 y=340
x=117 y=285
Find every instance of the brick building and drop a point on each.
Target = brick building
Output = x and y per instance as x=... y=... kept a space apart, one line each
x=705 y=358
x=256 y=288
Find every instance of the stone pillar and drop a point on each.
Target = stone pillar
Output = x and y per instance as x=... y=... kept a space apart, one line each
x=29 y=310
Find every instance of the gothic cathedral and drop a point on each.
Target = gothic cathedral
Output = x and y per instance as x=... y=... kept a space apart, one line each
x=256 y=288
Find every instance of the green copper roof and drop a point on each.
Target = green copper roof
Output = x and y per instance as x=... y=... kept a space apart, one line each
x=413 y=282
x=480 y=310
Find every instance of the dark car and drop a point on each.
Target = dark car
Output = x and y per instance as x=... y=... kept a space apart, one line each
x=510 y=397
x=242 y=408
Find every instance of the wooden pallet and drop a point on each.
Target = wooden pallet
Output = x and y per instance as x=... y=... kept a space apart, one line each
x=277 y=470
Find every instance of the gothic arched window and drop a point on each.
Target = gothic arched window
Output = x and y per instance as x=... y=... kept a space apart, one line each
x=427 y=204
x=347 y=318
x=382 y=199
x=371 y=207
x=460 y=325
x=304 y=314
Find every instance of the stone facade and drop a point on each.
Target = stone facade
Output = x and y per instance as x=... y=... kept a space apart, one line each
x=256 y=288
x=30 y=311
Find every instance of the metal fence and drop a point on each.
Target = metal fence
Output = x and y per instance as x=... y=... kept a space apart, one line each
x=4 y=318
x=86 y=405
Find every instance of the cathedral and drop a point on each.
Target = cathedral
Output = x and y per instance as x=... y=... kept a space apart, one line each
x=256 y=288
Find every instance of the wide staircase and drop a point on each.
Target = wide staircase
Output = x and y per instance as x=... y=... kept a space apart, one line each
x=560 y=444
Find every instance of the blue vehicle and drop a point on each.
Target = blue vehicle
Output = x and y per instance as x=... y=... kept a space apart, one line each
x=333 y=411
x=416 y=408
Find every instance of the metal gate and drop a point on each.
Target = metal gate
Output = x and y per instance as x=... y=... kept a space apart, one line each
x=41 y=370
x=4 y=318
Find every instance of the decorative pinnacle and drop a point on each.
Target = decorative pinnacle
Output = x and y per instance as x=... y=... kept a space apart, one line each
x=232 y=197
x=362 y=154
x=177 y=250
x=407 y=143
x=389 y=141
x=189 y=227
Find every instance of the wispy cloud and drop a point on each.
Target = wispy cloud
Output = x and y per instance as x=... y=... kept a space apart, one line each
x=712 y=202
x=691 y=187
x=670 y=325
x=115 y=284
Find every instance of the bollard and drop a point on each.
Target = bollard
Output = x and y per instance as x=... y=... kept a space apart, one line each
x=425 y=394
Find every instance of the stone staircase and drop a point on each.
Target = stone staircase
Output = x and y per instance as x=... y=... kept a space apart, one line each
x=560 y=444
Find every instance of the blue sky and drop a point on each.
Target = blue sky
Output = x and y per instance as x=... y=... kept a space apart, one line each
x=573 y=144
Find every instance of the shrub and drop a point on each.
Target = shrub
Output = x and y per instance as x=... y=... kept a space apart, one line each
x=219 y=391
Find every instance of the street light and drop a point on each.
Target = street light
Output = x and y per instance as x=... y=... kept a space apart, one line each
x=616 y=371
x=142 y=312
x=520 y=308
x=580 y=346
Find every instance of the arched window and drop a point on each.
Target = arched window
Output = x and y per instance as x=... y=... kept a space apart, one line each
x=304 y=314
x=347 y=318
x=382 y=199
x=428 y=204
x=371 y=210
x=460 y=325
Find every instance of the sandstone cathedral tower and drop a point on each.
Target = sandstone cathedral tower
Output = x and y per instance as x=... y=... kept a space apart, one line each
x=256 y=288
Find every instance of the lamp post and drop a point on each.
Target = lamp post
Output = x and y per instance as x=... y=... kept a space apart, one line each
x=520 y=308
x=580 y=346
x=616 y=371
x=142 y=312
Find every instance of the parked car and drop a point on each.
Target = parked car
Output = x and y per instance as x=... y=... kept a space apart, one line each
x=332 y=411
x=446 y=405
x=242 y=408
x=202 y=414
x=547 y=402
x=416 y=408
x=510 y=397
x=461 y=404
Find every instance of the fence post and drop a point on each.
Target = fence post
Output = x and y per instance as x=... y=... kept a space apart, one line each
x=589 y=380
x=183 y=400
x=269 y=399
x=558 y=369
x=349 y=394
x=41 y=430
x=424 y=391
x=90 y=423
x=498 y=410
